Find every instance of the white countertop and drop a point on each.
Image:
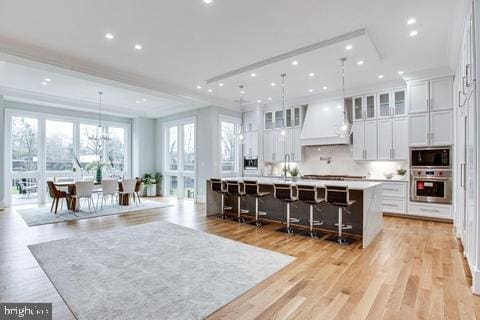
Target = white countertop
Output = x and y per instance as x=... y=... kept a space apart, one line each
x=353 y=184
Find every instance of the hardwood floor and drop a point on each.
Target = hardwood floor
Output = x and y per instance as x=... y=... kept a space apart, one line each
x=413 y=270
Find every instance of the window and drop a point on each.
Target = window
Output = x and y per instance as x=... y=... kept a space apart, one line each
x=59 y=145
x=228 y=146
x=179 y=150
x=172 y=154
x=24 y=144
x=91 y=144
x=116 y=149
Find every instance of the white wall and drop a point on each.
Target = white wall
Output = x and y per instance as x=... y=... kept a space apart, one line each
x=2 y=152
x=208 y=143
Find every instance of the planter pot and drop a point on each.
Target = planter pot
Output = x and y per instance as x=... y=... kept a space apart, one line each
x=151 y=190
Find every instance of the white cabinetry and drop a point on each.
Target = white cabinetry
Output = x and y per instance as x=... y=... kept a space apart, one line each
x=250 y=144
x=250 y=121
x=392 y=139
x=442 y=211
x=430 y=112
x=395 y=197
x=268 y=146
x=365 y=140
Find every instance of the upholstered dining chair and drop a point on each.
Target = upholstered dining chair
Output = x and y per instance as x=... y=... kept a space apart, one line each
x=84 y=190
x=56 y=195
x=128 y=189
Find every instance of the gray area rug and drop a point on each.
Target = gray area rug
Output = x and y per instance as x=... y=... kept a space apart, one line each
x=157 y=270
x=42 y=215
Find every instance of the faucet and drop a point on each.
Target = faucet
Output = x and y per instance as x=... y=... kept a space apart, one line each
x=286 y=165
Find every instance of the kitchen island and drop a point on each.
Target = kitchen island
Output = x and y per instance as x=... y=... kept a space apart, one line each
x=366 y=216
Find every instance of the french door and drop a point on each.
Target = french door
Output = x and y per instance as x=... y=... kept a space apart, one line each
x=180 y=159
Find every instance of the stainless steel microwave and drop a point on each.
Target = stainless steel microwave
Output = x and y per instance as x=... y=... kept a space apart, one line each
x=431 y=158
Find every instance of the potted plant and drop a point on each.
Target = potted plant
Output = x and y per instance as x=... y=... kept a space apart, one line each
x=150 y=184
x=97 y=166
x=294 y=173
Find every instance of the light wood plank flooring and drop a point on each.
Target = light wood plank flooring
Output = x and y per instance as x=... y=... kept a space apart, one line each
x=413 y=270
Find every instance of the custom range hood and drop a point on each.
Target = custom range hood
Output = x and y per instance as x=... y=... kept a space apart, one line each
x=322 y=123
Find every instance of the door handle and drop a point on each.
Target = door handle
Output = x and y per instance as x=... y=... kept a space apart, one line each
x=462 y=175
x=467 y=73
x=464 y=80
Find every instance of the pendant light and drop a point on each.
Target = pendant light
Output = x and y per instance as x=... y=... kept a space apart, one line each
x=101 y=133
x=284 y=124
x=240 y=132
x=345 y=129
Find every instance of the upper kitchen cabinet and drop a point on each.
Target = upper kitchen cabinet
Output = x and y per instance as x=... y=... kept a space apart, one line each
x=370 y=107
x=358 y=109
x=268 y=146
x=278 y=119
x=441 y=94
x=268 y=117
x=292 y=144
x=418 y=96
x=399 y=103
x=250 y=144
x=384 y=104
x=297 y=116
x=250 y=121
x=274 y=119
x=365 y=140
x=441 y=128
x=418 y=131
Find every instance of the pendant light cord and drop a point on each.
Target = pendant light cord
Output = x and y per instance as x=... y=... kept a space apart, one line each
x=100 y=108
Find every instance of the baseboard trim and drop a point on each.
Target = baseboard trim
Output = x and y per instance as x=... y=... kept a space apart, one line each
x=410 y=216
x=475 y=279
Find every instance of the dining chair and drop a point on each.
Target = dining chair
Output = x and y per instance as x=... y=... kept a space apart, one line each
x=128 y=189
x=56 y=195
x=84 y=190
x=109 y=189
x=138 y=186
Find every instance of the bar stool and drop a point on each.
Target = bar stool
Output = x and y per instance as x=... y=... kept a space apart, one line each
x=309 y=195
x=252 y=189
x=237 y=188
x=339 y=197
x=288 y=194
x=218 y=186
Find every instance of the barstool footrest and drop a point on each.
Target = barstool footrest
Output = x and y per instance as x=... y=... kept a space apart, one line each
x=294 y=220
x=262 y=213
x=242 y=211
x=317 y=223
x=227 y=208
x=345 y=226
x=344 y=241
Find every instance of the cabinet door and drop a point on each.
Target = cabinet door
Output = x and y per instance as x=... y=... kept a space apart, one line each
x=296 y=146
x=297 y=117
x=384 y=106
x=289 y=143
x=358 y=132
x=278 y=145
x=418 y=97
x=441 y=94
x=268 y=120
x=268 y=146
x=279 y=119
x=399 y=105
x=250 y=121
x=400 y=139
x=384 y=139
x=371 y=145
x=370 y=107
x=358 y=109
x=418 y=129
x=246 y=146
x=441 y=128
x=288 y=118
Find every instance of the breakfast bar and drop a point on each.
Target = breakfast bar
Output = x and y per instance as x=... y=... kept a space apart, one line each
x=366 y=217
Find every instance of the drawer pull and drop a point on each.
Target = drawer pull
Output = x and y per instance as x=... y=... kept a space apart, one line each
x=391 y=205
x=429 y=210
x=390 y=189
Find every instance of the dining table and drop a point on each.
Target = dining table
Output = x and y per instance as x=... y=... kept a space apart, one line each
x=124 y=199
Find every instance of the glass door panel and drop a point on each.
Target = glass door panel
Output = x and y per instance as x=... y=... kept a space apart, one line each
x=370 y=107
x=172 y=155
x=358 y=108
x=268 y=120
x=399 y=103
x=288 y=113
x=384 y=105
x=296 y=116
x=189 y=147
x=188 y=187
x=172 y=186
x=279 y=119
x=59 y=146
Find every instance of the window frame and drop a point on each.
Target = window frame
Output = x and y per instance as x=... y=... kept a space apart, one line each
x=237 y=158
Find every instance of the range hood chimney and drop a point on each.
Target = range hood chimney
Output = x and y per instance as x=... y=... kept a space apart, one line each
x=322 y=121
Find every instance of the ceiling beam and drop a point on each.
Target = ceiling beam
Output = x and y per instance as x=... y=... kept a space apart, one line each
x=290 y=54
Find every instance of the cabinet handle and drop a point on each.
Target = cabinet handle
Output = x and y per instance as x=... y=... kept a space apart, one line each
x=462 y=175
x=467 y=67
x=464 y=80
x=391 y=204
x=429 y=210
x=390 y=189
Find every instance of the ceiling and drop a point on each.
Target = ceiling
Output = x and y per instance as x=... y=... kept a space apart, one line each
x=186 y=42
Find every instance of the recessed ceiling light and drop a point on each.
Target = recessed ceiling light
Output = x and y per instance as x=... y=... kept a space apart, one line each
x=310 y=90
x=400 y=72
x=360 y=62
x=210 y=90
x=339 y=107
x=220 y=84
x=273 y=84
x=259 y=100
x=47 y=79
x=380 y=76
x=325 y=109
x=138 y=101
x=242 y=92
x=207 y=1
x=144 y=100
x=294 y=62
x=199 y=87
x=325 y=88
x=349 y=47
x=253 y=75
x=311 y=74
x=411 y=21
x=269 y=99
x=44 y=83
x=138 y=47
x=413 y=33
x=109 y=36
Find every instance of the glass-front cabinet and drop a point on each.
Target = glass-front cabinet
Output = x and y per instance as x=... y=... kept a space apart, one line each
x=279 y=119
x=399 y=106
x=384 y=104
x=274 y=119
x=288 y=116
x=268 y=120
x=357 y=108
x=297 y=122
x=370 y=107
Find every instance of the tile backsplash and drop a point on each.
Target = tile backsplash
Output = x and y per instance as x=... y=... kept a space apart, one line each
x=338 y=160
